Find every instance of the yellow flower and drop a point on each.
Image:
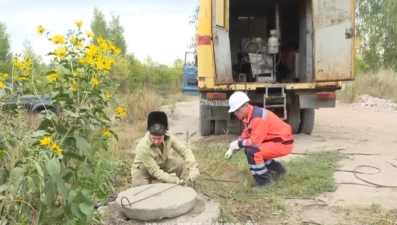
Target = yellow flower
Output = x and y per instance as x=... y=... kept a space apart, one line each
x=94 y=81
x=121 y=111
x=107 y=95
x=92 y=50
x=53 y=76
x=19 y=198
x=45 y=140
x=17 y=63
x=76 y=42
x=55 y=148
x=106 y=133
x=78 y=23
x=58 y=39
x=60 y=52
x=108 y=64
x=103 y=44
x=2 y=85
x=40 y=30
x=114 y=48
x=22 y=78
x=73 y=85
x=89 y=34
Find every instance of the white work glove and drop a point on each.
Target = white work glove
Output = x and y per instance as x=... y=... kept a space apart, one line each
x=234 y=145
x=193 y=174
x=176 y=179
x=229 y=153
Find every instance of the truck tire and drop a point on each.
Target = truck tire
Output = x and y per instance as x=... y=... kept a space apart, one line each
x=220 y=127
x=293 y=114
x=307 y=121
x=205 y=125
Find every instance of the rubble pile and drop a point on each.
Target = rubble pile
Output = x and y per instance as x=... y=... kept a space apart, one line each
x=367 y=101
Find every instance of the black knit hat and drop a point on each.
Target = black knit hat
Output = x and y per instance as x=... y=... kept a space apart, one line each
x=157 y=123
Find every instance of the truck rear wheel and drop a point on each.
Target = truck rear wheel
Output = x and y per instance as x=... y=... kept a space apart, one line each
x=293 y=114
x=307 y=121
x=220 y=127
x=205 y=125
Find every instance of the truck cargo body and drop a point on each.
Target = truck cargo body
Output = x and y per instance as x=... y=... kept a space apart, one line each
x=237 y=50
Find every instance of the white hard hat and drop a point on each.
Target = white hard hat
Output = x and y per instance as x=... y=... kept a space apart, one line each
x=236 y=100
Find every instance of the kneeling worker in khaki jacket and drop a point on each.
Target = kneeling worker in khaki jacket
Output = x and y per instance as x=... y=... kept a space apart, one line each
x=152 y=159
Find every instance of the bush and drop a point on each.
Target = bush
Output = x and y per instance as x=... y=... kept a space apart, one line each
x=40 y=166
x=380 y=84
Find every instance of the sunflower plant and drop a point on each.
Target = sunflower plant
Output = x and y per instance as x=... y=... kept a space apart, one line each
x=39 y=180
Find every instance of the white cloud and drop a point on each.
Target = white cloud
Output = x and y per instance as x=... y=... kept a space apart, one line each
x=151 y=28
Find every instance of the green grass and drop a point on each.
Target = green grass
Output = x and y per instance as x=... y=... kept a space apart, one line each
x=307 y=177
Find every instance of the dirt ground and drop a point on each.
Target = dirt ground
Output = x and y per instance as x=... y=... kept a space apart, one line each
x=345 y=128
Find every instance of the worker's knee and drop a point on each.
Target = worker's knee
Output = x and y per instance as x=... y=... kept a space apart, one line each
x=176 y=162
x=140 y=178
x=251 y=151
x=174 y=165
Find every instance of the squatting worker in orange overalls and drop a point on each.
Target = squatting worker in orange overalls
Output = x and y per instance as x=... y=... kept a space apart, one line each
x=264 y=138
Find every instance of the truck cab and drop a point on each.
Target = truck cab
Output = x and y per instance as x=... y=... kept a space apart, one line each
x=289 y=56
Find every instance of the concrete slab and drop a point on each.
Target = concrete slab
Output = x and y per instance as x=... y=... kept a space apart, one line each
x=156 y=201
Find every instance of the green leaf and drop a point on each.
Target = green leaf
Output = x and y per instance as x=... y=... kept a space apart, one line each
x=4 y=187
x=87 y=209
x=61 y=129
x=74 y=155
x=72 y=114
x=114 y=134
x=61 y=188
x=39 y=133
x=76 y=211
x=85 y=146
x=31 y=184
x=72 y=194
x=86 y=195
x=53 y=168
x=38 y=168
x=2 y=154
x=50 y=191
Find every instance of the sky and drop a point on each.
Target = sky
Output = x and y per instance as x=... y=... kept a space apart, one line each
x=155 y=28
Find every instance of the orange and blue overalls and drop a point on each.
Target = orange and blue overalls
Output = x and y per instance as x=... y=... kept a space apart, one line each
x=264 y=138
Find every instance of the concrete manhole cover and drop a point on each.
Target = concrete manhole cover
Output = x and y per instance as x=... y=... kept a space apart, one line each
x=156 y=201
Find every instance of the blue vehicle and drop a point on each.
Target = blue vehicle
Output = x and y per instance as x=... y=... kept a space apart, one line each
x=190 y=83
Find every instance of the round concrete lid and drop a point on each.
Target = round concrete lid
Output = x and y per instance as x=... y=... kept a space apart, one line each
x=156 y=201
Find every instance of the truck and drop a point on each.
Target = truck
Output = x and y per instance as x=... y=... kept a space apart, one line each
x=289 y=56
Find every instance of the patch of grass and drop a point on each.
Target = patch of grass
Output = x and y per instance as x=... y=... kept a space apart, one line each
x=307 y=176
x=141 y=102
x=372 y=215
x=379 y=84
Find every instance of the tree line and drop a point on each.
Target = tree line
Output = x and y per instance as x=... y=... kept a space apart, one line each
x=128 y=72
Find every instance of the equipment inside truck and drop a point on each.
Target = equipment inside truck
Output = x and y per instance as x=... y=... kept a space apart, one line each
x=265 y=39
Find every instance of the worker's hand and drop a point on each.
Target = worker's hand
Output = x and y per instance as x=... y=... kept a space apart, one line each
x=229 y=153
x=234 y=145
x=193 y=174
x=176 y=180
x=181 y=182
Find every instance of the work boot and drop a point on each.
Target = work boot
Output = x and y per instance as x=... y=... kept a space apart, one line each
x=266 y=185
x=278 y=168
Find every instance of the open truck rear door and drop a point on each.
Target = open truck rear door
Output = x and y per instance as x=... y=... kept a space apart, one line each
x=334 y=29
x=221 y=42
